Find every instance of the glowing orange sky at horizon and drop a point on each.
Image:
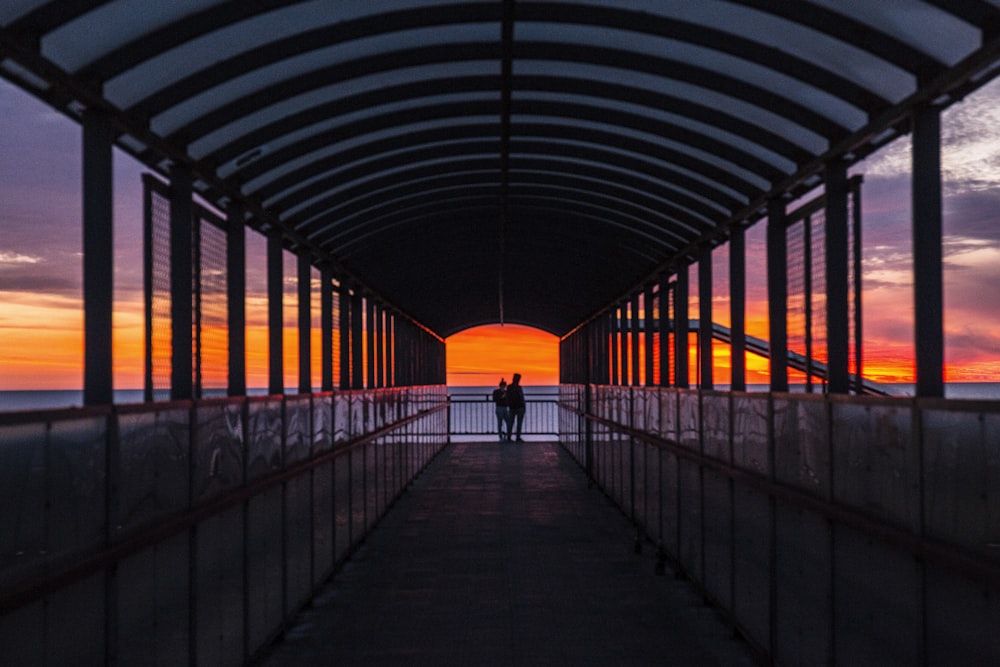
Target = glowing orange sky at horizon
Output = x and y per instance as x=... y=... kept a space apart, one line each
x=480 y=356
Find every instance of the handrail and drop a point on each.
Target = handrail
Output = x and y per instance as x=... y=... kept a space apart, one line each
x=145 y=537
x=948 y=556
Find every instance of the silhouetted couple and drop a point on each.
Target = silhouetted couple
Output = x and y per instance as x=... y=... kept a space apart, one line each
x=509 y=406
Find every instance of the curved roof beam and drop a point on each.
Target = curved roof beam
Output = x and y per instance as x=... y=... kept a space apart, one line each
x=328 y=209
x=670 y=28
x=338 y=170
x=637 y=217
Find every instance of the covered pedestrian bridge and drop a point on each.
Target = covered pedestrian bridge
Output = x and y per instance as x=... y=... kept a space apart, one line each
x=428 y=166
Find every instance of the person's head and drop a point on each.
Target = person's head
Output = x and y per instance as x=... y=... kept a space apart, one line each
x=517 y=379
x=503 y=382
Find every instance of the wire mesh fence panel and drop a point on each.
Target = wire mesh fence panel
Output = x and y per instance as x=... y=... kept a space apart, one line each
x=211 y=306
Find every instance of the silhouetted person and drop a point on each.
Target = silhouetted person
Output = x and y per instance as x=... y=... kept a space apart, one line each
x=515 y=407
x=500 y=405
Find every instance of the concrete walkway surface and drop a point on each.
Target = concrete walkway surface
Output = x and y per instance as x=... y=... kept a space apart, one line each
x=499 y=554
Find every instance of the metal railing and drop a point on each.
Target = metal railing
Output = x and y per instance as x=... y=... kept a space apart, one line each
x=191 y=532
x=470 y=416
x=832 y=530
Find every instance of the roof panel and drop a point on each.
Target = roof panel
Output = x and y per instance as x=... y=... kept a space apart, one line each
x=607 y=140
x=909 y=20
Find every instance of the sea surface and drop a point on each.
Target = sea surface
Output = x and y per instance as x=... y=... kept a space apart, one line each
x=48 y=399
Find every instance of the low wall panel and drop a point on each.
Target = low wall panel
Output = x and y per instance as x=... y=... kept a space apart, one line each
x=715 y=425
x=876 y=467
x=802 y=443
x=264 y=428
x=153 y=466
x=218 y=590
x=752 y=565
x=691 y=537
x=218 y=449
x=298 y=540
x=341 y=507
x=718 y=527
x=23 y=486
x=962 y=621
x=751 y=433
x=962 y=473
x=803 y=595
x=74 y=626
x=877 y=614
x=22 y=635
x=341 y=418
x=265 y=593
x=298 y=429
x=154 y=604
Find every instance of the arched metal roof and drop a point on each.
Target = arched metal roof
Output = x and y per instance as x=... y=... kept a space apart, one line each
x=467 y=159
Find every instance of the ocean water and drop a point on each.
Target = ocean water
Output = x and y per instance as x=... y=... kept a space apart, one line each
x=48 y=399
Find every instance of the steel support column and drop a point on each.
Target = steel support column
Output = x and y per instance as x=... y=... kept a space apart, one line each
x=275 y=315
x=623 y=336
x=664 y=326
x=649 y=328
x=837 y=283
x=344 y=326
x=379 y=347
x=737 y=309
x=370 y=342
x=181 y=283
x=305 y=322
x=98 y=258
x=390 y=357
x=777 y=294
x=928 y=284
x=357 y=342
x=612 y=343
x=681 y=375
x=706 y=380
x=634 y=320
x=236 y=280
x=326 y=329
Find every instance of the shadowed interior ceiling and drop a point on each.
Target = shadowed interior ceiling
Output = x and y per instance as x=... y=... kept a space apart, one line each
x=472 y=161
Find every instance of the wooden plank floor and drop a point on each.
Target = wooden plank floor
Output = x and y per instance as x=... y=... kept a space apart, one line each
x=500 y=555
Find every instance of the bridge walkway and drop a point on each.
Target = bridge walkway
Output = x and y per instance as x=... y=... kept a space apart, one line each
x=499 y=554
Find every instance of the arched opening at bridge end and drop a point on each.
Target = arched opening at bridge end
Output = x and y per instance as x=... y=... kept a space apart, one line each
x=481 y=355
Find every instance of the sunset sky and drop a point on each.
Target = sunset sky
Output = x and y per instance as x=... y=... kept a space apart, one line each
x=41 y=320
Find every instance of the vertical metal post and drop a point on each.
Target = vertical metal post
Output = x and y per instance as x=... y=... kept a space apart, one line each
x=928 y=283
x=858 y=309
x=614 y=327
x=681 y=374
x=807 y=296
x=357 y=342
x=181 y=283
x=390 y=357
x=737 y=309
x=635 y=319
x=305 y=322
x=705 y=317
x=147 y=286
x=275 y=319
x=777 y=294
x=649 y=329
x=370 y=341
x=623 y=340
x=379 y=347
x=345 y=336
x=837 y=283
x=236 y=281
x=98 y=258
x=326 y=328
x=664 y=326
